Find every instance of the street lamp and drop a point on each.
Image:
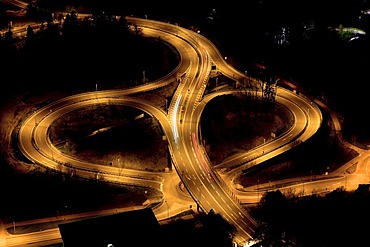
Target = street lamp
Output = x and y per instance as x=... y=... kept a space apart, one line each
x=168 y=209
x=200 y=193
x=258 y=191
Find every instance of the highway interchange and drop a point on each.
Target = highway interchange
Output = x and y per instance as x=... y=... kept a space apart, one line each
x=209 y=187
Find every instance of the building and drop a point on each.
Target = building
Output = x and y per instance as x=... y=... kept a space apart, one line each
x=132 y=228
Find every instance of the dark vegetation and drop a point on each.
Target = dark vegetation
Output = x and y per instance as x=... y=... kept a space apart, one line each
x=99 y=55
x=205 y=230
x=43 y=193
x=125 y=139
x=324 y=152
x=302 y=42
x=313 y=62
x=240 y=125
x=336 y=219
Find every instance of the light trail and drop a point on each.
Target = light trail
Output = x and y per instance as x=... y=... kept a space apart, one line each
x=174 y=124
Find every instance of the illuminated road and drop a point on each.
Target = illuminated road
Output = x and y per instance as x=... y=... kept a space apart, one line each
x=208 y=188
x=180 y=125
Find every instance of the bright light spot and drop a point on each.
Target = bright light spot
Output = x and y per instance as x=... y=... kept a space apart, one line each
x=251 y=243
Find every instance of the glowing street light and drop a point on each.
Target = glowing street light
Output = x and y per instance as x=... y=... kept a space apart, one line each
x=168 y=209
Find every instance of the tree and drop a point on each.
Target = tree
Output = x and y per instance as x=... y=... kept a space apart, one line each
x=269 y=90
x=30 y=35
x=272 y=213
x=8 y=37
x=217 y=232
x=70 y=23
